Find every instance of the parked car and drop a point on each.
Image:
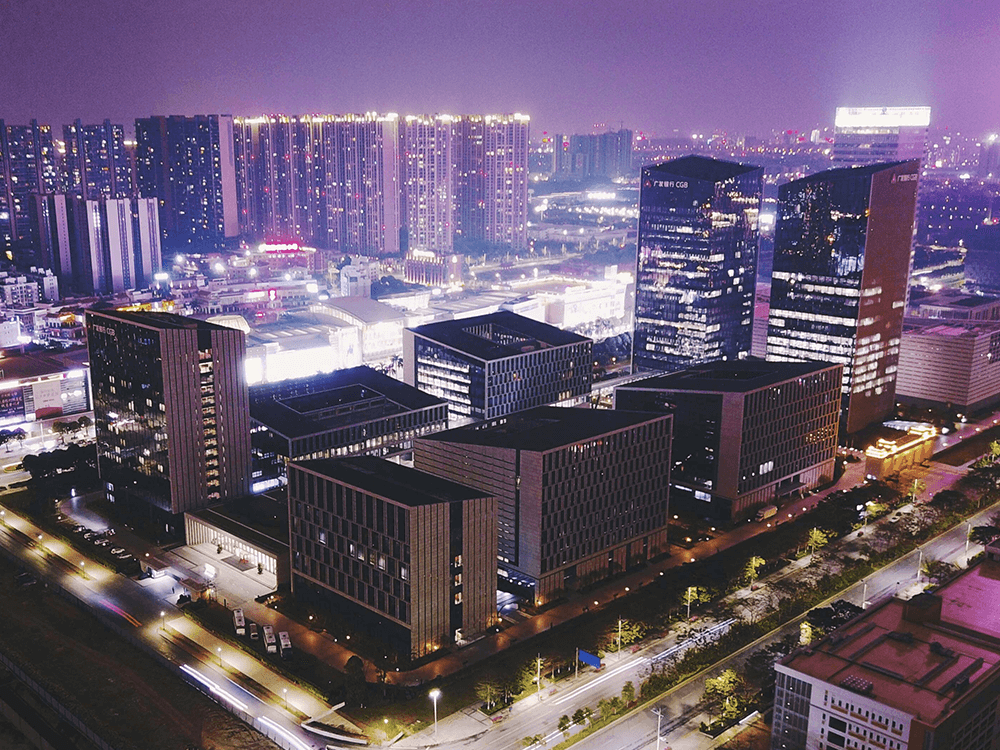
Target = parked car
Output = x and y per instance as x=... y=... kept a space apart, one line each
x=80 y=529
x=117 y=550
x=123 y=555
x=90 y=535
x=102 y=542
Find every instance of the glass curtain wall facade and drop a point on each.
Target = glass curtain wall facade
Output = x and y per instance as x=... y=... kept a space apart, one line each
x=697 y=263
x=838 y=290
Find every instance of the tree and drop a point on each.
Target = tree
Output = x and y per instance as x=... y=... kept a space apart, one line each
x=721 y=693
x=581 y=715
x=826 y=619
x=817 y=538
x=564 y=724
x=948 y=500
x=60 y=429
x=488 y=691
x=536 y=739
x=628 y=693
x=752 y=568
x=937 y=570
x=355 y=684
x=983 y=534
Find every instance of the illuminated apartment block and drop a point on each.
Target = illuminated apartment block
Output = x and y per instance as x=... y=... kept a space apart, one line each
x=838 y=289
x=427 y=171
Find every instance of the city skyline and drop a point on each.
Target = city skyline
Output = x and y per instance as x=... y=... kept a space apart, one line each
x=753 y=70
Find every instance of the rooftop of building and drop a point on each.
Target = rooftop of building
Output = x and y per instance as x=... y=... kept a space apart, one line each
x=39 y=363
x=366 y=310
x=500 y=335
x=329 y=401
x=956 y=299
x=544 y=428
x=950 y=327
x=702 y=168
x=158 y=320
x=261 y=520
x=919 y=656
x=392 y=481
x=861 y=171
x=741 y=376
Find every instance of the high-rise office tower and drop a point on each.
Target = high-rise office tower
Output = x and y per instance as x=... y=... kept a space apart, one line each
x=427 y=182
x=100 y=246
x=838 y=291
x=172 y=412
x=96 y=164
x=697 y=263
x=27 y=165
x=187 y=164
x=491 y=178
x=874 y=135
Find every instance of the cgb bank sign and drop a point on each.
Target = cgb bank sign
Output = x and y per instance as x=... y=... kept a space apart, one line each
x=677 y=184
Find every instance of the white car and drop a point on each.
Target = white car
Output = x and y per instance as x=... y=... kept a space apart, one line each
x=117 y=550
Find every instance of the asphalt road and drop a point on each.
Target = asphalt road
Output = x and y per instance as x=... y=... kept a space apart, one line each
x=140 y=608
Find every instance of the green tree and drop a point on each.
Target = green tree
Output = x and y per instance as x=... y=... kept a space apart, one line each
x=752 y=569
x=564 y=724
x=581 y=715
x=536 y=739
x=817 y=538
x=937 y=570
x=488 y=691
x=355 y=682
x=722 y=693
x=628 y=693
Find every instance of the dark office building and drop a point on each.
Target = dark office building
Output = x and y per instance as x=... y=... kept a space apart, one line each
x=841 y=266
x=697 y=263
x=187 y=164
x=753 y=431
x=353 y=412
x=582 y=494
x=585 y=157
x=27 y=165
x=171 y=412
x=496 y=364
x=408 y=556
x=96 y=164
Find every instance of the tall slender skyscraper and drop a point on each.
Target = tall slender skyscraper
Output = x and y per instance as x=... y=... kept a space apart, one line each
x=697 y=263
x=841 y=266
x=171 y=409
x=96 y=164
x=187 y=163
x=27 y=165
x=427 y=182
x=877 y=135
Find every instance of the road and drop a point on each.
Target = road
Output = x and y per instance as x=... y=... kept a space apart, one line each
x=142 y=608
x=638 y=731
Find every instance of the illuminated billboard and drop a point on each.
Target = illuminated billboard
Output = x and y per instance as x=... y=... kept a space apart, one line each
x=883 y=117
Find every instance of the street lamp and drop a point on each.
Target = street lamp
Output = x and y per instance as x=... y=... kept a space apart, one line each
x=285 y=692
x=619 y=639
x=659 y=718
x=219 y=652
x=163 y=619
x=435 y=694
x=968 y=534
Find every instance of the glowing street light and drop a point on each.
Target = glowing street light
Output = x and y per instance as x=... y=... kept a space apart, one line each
x=435 y=694
x=285 y=692
x=163 y=619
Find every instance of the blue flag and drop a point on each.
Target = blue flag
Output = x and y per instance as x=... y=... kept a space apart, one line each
x=588 y=658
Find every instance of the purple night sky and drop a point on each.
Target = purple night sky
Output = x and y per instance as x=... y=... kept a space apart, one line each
x=653 y=65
